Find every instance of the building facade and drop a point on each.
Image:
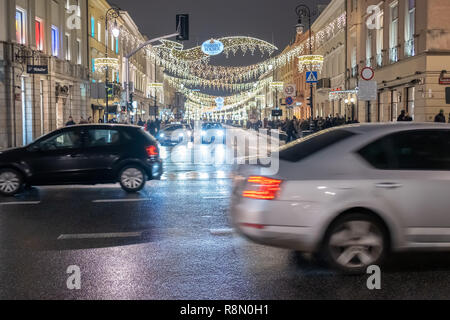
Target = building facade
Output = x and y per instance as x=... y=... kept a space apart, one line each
x=50 y=35
x=407 y=42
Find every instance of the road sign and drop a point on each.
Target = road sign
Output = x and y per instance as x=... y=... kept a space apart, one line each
x=367 y=74
x=290 y=90
x=312 y=77
x=277 y=113
x=368 y=90
x=289 y=101
x=31 y=69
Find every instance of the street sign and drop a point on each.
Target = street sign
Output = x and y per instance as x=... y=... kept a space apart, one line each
x=312 y=77
x=212 y=47
x=277 y=113
x=368 y=90
x=290 y=90
x=367 y=74
x=32 y=69
x=289 y=101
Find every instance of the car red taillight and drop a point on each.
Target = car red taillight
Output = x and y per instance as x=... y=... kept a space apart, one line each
x=152 y=151
x=262 y=188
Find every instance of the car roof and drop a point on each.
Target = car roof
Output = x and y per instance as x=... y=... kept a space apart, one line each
x=392 y=127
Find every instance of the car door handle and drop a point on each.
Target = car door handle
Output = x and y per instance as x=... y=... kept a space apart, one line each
x=389 y=185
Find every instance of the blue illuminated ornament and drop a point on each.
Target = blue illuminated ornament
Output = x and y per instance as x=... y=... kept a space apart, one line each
x=212 y=47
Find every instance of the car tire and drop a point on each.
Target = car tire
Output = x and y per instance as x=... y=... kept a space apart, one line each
x=132 y=178
x=354 y=242
x=11 y=182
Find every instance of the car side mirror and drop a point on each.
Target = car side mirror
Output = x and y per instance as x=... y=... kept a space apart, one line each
x=34 y=148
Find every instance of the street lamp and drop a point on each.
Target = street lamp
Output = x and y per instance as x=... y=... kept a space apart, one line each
x=302 y=12
x=111 y=13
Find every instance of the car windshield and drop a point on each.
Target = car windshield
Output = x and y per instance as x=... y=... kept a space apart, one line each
x=208 y=126
x=303 y=148
x=174 y=128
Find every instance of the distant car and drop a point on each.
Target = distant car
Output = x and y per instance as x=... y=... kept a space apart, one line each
x=175 y=134
x=351 y=194
x=212 y=132
x=85 y=154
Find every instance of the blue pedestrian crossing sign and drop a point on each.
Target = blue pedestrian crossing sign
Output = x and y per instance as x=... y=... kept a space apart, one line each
x=311 y=77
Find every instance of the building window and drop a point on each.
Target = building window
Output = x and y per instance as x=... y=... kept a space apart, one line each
x=369 y=48
x=55 y=41
x=410 y=27
x=67 y=46
x=39 y=30
x=99 y=26
x=117 y=45
x=93 y=65
x=92 y=27
x=393 y=39
x=20 y=26
x=78 y=50
x=380 y=39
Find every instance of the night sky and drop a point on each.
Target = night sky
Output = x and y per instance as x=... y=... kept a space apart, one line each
x=273 y=21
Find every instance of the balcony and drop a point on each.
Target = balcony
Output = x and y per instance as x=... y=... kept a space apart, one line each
x=354 y=71
x=393 y=54
x=410 y=48
x=380 y=57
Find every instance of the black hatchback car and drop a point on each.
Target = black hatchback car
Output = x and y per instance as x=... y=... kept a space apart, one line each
x=85 y=154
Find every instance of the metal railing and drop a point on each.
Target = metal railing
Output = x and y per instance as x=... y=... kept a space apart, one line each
x=410 y=48
x=393 y=54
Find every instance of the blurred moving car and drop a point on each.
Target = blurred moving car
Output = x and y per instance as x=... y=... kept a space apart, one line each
x=85 y=154
x=212 y=132
x=175 y=134
x=351 y=194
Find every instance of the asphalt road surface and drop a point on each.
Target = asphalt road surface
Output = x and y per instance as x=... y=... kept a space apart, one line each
x=173 y=241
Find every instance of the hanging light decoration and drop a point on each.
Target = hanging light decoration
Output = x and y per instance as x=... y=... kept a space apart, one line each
x=101 y=64
x=310 y=63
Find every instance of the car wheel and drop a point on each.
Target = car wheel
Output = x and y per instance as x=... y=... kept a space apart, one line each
x=11 y=182
x=132 y=179
x=355 y=242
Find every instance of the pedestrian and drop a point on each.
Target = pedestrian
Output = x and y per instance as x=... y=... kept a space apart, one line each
x=100 y=120
x=402 y=116
x=90 y=120
x=83 y=121
x=140 y=122
x=291 y=131
x=440 y=118
x=70 y=122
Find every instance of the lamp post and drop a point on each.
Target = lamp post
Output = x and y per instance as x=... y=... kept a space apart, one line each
x=304 y=11
x=112 y=13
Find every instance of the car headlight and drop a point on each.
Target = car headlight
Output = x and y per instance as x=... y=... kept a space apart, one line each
x=162 y=135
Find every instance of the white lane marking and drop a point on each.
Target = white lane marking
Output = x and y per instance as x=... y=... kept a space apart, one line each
x=221 y=232
x=19 y=203
x=121 y=200
x=99 y=235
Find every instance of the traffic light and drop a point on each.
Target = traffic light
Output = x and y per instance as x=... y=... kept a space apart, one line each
x=183 y=27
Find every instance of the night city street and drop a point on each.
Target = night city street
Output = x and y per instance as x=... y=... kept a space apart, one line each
x=173 y=241
x=213 y=155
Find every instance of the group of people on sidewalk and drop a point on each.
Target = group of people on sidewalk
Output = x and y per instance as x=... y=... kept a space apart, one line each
x=439 y=118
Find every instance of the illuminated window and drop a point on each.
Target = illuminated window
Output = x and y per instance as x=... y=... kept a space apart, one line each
x=117 y=45
x=20 y=26
x=67 y=46
x=92 y=27
x=55 y=41
x=39 y=30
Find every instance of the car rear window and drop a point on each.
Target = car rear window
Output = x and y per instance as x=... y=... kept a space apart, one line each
x=303 y=148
